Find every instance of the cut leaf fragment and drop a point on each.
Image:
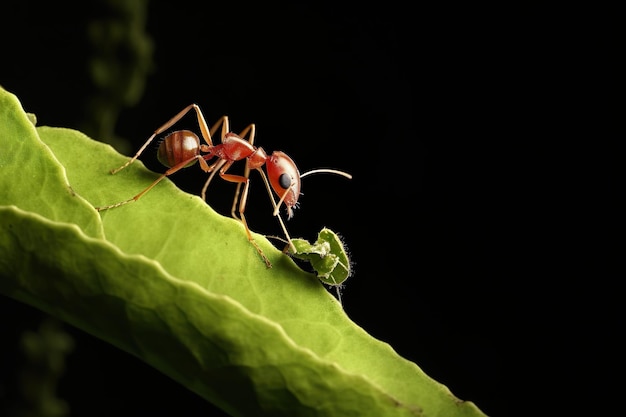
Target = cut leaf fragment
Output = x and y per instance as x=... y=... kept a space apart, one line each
x=327 y=256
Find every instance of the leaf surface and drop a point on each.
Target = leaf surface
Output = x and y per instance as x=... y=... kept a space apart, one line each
x=179 y=286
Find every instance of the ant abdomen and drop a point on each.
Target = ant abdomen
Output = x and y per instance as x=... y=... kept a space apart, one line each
x=177 y=147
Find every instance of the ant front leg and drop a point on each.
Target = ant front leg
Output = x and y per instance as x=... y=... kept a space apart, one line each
x=290 y=245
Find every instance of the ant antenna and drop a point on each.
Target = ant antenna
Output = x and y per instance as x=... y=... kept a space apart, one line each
x=326 y=171
x=311 y=172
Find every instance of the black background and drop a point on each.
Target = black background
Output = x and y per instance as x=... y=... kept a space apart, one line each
x=427 y=107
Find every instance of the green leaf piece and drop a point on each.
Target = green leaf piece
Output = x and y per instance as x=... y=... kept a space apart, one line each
x=327 y=256
x=179 y=286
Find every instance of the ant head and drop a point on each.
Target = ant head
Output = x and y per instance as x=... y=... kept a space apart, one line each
x=284 y=178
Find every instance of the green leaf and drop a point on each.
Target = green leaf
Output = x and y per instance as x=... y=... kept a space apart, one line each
x=180 y=287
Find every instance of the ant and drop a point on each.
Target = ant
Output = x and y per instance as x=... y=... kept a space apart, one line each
x=182 y=148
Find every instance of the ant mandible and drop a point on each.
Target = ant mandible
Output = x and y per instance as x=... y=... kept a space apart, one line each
x=182 y=148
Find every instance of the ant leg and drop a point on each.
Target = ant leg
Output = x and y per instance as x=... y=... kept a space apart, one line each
x=207 y=133
x=239 y=179
x=170 y=171
x=251 y=240
x=204 y=129
x=280 y=202
x=276 y=213
x=242 y=206
x=251 y=129
x=212 y=169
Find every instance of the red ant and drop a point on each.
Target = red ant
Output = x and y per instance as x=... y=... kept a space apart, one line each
x=182 y=148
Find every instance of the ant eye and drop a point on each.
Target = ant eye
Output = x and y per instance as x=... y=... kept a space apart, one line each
x=284 y=180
